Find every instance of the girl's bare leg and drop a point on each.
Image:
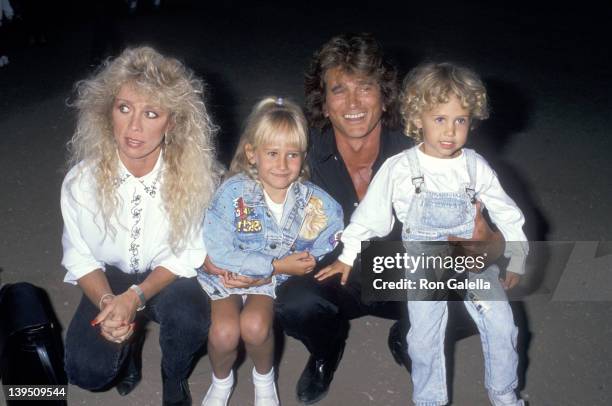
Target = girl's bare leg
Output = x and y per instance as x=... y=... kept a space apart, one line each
x=224 y=334
x=256 y=320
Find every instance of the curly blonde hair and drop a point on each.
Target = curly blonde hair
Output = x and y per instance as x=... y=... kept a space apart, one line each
x=270 y=118
x=431 y=84
x=190 y=171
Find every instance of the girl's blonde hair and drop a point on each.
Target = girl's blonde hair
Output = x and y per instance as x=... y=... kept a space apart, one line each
x=431 y=84
x=271 y=119
x=190 y=171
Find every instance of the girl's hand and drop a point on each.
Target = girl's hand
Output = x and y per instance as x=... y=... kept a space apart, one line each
x=211 y=268
x=298 y=263
x=512 y=279
x=337 y=267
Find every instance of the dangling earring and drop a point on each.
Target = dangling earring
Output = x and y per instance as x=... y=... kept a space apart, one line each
x=166 y=140
x=253 y=170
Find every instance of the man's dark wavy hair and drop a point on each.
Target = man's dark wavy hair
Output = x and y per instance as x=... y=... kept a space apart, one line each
x=354 y=54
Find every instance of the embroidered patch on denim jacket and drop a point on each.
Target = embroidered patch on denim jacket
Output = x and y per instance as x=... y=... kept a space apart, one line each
x=315 y=219
x=246 y=218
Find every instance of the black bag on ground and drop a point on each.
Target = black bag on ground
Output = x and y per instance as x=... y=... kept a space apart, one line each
x=31 y=349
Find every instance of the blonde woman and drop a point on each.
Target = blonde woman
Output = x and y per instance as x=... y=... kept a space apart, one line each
x=143 y=169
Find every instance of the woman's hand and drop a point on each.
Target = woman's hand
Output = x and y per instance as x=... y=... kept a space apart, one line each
x=116 y=331
x=298 y=263
x=230 y=279
x=116 y=319
x=335 y=268
x=234 y=280
x=211 y=268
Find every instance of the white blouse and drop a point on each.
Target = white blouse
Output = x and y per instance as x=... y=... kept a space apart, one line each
x=141 y=225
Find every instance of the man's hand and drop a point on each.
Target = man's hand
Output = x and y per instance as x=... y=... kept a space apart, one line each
x=298 y=263
x=335 y=268
x=484 y=240
x=512 y=279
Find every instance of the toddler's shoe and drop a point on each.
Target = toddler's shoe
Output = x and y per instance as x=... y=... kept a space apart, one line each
x=507 y=399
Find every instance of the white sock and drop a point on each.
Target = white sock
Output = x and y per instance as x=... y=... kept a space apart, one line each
x=265 y=389
x=219 y=391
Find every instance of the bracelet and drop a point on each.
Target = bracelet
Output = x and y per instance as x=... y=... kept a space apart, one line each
x=104 y=296
x=141 y=297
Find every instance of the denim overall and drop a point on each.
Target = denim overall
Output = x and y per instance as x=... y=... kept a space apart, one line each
x=433 y=216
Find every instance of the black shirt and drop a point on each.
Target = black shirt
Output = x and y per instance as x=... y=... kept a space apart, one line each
x=327 y=169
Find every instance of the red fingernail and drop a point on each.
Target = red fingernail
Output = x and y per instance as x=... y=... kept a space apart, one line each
x=93 y=323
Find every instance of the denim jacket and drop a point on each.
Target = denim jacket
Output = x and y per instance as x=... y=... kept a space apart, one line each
x=242 y=236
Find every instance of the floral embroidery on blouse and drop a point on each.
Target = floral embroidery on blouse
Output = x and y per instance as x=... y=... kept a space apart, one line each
x=135 y=232
x=151 y=190
x=136 y=212
x=121 y=179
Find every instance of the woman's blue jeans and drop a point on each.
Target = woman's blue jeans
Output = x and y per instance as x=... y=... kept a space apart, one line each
x=183 y=313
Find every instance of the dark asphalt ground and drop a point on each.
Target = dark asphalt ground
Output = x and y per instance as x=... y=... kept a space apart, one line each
x=548 y=72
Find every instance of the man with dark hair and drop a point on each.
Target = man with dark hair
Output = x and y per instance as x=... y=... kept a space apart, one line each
x=352 y=107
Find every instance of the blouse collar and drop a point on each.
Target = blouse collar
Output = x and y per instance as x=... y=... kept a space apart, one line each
x=149 y=181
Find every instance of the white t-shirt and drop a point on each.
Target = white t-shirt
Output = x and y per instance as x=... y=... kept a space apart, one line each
x=275 y=208
x=141 y=224
x=392 y=188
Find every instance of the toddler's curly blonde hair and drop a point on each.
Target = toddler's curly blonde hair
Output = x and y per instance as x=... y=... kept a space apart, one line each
x=431 y=84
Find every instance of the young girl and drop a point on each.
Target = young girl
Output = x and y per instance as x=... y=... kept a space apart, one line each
x=434 y=188
x=264 y=222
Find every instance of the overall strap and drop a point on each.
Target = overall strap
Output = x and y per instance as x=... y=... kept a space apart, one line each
x=470 y=159
x=415 y=169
